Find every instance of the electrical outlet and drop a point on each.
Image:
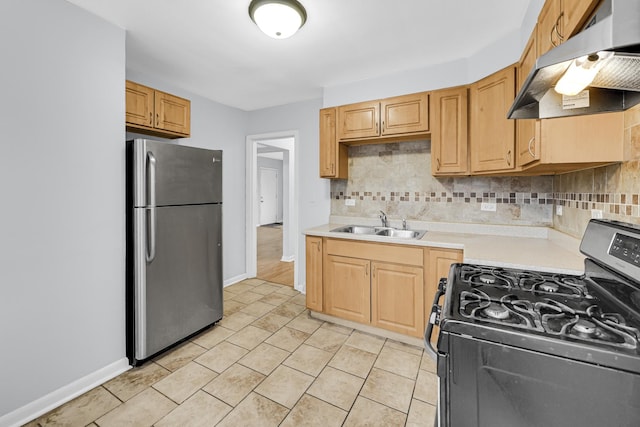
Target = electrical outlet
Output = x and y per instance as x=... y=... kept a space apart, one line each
x=596 y=213
x=491 y=207
x=559 y=210
x=350 y=202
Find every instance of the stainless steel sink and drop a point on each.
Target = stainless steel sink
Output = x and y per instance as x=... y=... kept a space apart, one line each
x=401 y=234
x=356 y=229
x=381 y=231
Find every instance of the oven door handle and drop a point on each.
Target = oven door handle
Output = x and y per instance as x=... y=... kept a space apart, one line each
x=434 y=319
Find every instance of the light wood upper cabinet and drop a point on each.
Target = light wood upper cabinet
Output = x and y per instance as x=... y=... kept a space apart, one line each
x=406 y=115
x=492 y=135
x=567 y=143
x=347 y=288
x=549 y=29
x=575 y=14
x=528 y=146
x=313 y=258
x=333 y=155
x=580 y=142
x=359 y=120
x=560 y=19
x=449 y=136
x=156 y=113
x=173 y=114
x=397 y=295
x=139 y=108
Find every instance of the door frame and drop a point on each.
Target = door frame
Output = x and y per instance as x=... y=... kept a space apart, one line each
x=287 y=140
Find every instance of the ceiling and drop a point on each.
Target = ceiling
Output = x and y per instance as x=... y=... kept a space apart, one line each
x=213 y=49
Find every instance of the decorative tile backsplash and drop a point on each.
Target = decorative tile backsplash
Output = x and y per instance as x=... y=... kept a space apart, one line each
x=396 y=178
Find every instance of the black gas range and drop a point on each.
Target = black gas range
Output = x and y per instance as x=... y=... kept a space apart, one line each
x=531 y=348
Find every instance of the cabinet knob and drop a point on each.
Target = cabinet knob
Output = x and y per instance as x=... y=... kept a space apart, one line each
x=437 y=163
x=509 y=158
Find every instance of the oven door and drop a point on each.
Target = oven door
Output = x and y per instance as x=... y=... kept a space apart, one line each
x=488 y=384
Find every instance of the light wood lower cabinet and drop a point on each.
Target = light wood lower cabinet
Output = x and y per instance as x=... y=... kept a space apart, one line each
x=396 y=298
x=347 y=288
x=439 y=261
x=388 y=286
x=313 y=258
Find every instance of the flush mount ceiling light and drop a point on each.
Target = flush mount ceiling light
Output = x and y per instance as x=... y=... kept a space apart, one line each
x=278 y=18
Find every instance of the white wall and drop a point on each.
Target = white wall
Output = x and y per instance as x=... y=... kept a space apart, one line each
x=499 y=54
x=62 y=229
x=313 y=199
x=217 y=127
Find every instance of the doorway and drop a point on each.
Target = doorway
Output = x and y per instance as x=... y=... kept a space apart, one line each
x=272 y=243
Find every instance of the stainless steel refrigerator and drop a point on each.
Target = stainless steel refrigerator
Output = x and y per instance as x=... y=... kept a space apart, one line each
x=174 y=244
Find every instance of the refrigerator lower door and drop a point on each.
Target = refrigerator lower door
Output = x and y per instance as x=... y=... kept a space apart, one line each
x=178 y=274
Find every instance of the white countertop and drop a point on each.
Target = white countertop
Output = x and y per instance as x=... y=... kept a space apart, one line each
x=530 y=248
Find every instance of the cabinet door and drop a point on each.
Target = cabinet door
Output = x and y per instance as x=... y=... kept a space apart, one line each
x=528 y=146
x=347 y=290
x=574 y=15
x=405 y=114
x=397 y=298
x=492 y=136
x=439 y=262
x=172 y=113
x=549 y=28
x=449 y=131
x=333 y=155
x=314 y=272
x=139 y=108
x=359 y=120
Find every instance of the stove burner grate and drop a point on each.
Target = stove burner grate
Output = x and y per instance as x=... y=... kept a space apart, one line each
x=477 y=305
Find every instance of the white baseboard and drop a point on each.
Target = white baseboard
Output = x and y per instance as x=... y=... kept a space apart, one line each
x=289 y=258
x=236 y=279
x=64 y=394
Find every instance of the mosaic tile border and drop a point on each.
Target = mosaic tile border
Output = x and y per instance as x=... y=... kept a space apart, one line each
x=625 y=204
x=448 y=197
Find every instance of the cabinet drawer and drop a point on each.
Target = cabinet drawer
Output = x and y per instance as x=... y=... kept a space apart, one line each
x=399 y=254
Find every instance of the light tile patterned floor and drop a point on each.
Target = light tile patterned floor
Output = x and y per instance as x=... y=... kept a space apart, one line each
x=267 y=363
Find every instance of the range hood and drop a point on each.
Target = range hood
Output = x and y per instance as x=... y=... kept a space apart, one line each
x=615 y=27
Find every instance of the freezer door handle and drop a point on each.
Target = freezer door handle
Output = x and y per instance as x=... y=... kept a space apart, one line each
x=151 y=179
x=151 y=207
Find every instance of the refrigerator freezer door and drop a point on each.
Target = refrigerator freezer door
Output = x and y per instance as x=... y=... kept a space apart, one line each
x=179 y=291
x=176 y=174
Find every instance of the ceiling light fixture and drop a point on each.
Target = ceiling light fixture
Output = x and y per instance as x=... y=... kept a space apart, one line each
x=278 y=18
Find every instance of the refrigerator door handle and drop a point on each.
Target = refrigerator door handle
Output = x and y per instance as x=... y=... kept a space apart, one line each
x=151 y=207
x=151 y=179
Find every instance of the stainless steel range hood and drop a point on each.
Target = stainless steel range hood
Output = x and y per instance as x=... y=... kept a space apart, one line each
x=615 y=27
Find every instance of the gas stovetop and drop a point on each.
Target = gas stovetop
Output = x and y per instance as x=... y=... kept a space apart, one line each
x=547 y=304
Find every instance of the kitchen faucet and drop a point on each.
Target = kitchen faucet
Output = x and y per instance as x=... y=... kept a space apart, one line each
x=383 y=218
